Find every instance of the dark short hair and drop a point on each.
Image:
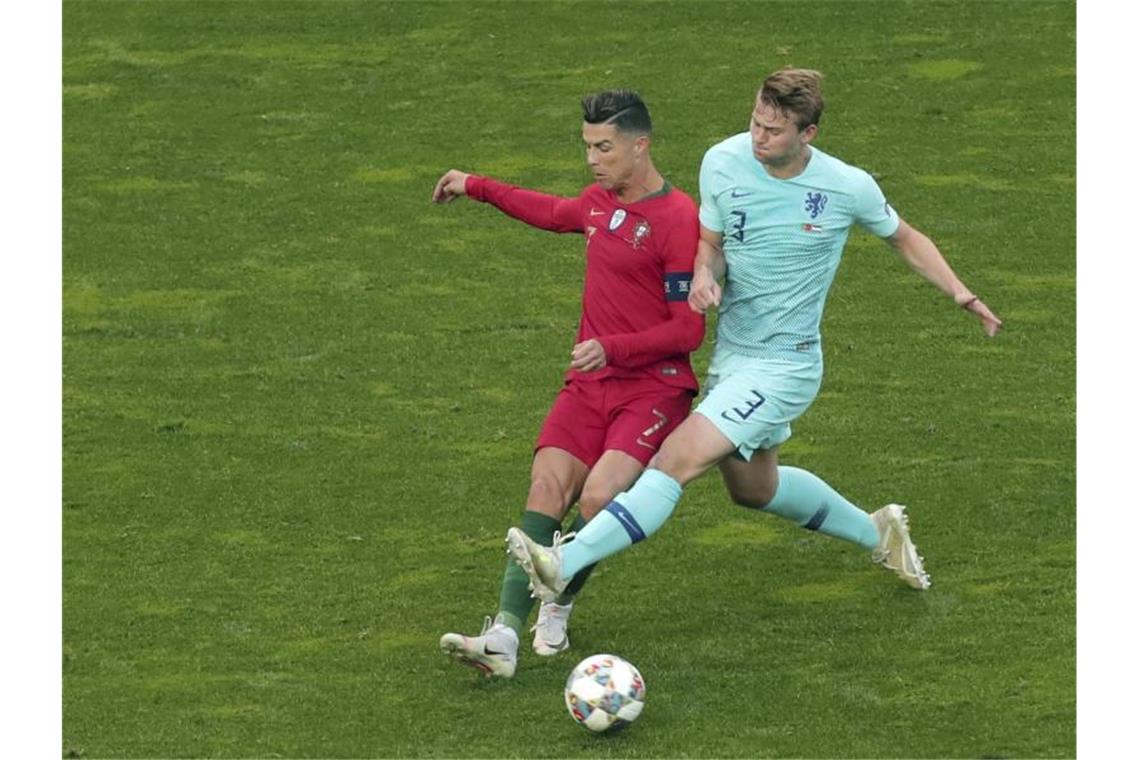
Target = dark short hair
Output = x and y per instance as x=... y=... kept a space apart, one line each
x=623 y=108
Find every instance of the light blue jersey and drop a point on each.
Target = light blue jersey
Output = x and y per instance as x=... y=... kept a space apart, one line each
x=783 y=239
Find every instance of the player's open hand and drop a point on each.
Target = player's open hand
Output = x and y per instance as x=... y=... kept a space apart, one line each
x=450 y=186
x=704 y=293
x=588 y=356
x=990 y=322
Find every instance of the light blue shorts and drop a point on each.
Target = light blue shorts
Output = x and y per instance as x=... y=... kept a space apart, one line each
x=754 y=401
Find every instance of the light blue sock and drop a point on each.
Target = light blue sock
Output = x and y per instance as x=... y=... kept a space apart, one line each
x=631 y=517
x=810 y=503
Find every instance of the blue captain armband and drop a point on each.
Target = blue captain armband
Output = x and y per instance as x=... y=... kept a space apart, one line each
x=677 y=285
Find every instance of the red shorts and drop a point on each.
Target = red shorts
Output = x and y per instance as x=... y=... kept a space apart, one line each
x=634 y=416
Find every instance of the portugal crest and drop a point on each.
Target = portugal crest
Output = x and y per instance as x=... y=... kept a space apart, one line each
x=640 y=233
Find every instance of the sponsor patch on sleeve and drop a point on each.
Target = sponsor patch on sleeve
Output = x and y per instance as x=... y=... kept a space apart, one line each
x=677 y=285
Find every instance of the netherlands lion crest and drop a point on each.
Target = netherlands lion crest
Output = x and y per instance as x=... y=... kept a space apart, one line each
x=815 y=203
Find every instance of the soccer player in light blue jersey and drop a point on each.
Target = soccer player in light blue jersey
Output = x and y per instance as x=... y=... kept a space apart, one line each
x=775 y=214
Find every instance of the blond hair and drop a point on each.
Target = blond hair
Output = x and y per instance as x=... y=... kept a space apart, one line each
x=795 y=92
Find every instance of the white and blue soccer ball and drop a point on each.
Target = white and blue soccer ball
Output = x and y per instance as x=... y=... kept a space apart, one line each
x=605 y=693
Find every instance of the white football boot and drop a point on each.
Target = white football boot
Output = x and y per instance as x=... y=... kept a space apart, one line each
x=550 y=635
x=542 y=563
x=895 y=550
x=494 y=652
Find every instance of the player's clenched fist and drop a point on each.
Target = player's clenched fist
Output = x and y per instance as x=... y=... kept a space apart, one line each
x=588 y=356
x=450 y=186
x=704 y=293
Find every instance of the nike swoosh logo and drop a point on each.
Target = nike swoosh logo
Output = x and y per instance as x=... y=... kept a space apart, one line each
x=736 y=194
x=595 y=212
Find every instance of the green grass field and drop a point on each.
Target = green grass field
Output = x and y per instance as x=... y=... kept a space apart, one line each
x=300 y=400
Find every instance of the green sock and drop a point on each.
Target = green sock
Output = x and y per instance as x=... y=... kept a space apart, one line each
x=579 y=580
x=515 y=601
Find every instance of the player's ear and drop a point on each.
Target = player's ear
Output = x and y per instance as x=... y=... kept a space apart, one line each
x=808 y=133
x=641 y=145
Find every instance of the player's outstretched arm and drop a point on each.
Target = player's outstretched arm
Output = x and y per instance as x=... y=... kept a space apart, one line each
x=450 y=186
x=924 y=257
x=547 y=212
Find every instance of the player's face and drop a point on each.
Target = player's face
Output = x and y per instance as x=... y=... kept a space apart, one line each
x=776 y=139
x=611 y=155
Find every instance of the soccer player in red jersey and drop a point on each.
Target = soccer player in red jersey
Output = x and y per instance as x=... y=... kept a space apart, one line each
x=629 y=383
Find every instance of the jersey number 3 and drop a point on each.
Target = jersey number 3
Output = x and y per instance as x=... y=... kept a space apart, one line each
x=736 y=229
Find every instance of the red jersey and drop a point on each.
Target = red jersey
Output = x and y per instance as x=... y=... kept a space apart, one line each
x=639 y=266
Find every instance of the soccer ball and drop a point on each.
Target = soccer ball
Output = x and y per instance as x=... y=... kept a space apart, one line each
x=605 y=693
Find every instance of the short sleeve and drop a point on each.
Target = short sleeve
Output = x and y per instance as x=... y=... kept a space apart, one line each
x=712 y=185
x=872 y=210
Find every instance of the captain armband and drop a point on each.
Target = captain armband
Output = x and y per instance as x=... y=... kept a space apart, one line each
x=677 y=285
